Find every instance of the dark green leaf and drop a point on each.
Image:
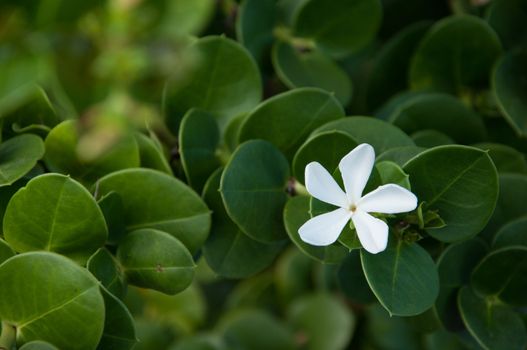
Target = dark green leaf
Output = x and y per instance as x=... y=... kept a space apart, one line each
x=154 y=259
x=403 y=277
x=253 y=190
x=119 y=329
x=381 y=135
x=5 y=251
x=352 y=281
x=506 y=158
x=461 y=183
x=108 y=271
x=339 y=26
x=198 y=140
x=502 y=274
x=224 y=81
x=297 y=68
x=228 y=250
x=508 y=18
x=456 y=54
x=509 y=82
x=431 y=138
x=55 y=213
x=112 y=208
x=151 y=154
x=400 y=155
x=514 y=233
x=458 y=260
x=287 y=119
x=495 y=326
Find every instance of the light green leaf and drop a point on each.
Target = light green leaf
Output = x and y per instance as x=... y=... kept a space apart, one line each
x=151 y=155
x=154 y=259
x=391 y=173
x=48 y=297
x=5 y=251
x=55 y=213
x=152 y=199
x=18 y=156
x=253 y=190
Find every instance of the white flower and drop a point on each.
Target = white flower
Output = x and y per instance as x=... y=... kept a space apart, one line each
x=355 y=169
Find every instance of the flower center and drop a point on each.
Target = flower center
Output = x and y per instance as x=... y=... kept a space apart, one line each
x=353 y=207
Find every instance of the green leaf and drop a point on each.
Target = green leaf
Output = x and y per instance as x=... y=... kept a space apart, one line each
x=297 y=68
x=506 y=158
x=38 y=345
x=431 y=138
x=253 y=190
x=495 y=326
x=509 y=85
x=18 y=156
x=232 y=132
x=112 y=208
x=228 y=250
x=510 y=204
x=277 y=120
x=400 y=155
x=390 y=67
x=514 y=233
x=327 y=148
x=108 y=272
x=403 y=277
x=508 y=17
x=340 y=26
x=381 y=135
x=62 y=157
x=156 y=260
x=156 y=200
x=5 y=251
x=119 y=329
x=198 y=139
x=48 y=297
x=200 y=342
x=440 y=112
x=224 y=80
x=254 y=27
x=456 y=54
x=296 y=213
x=458 y=260
x=324 y=320
x=151 y=154
x=461 y=183
x=391 y=173
x=55 y=213
x=352 y=281
x=501 y=274
x=244 y=330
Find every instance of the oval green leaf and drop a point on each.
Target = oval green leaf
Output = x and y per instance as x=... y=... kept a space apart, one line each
x=461 y=183
x=105 y=267
x=223 y=80
x=287 y=119
x=18 y=156
x=297 y=68
x=48 y=297
x=156 y=260
x=403 y=277
x=506 y=158
x=253 y=190
x=456 y=54
x=119 y=328
x=55 y=213
x=228 y=250
x=152 y=199
x=512 y=233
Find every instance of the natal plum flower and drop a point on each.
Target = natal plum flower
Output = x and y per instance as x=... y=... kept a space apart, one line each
x=355 y=169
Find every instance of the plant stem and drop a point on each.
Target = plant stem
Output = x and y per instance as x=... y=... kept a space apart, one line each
x=8 y=336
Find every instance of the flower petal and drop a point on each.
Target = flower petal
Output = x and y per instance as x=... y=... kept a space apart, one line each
x=388 y=199
x=372 y=232
x=321 y=185
x=356 y=168
x=324 y=229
